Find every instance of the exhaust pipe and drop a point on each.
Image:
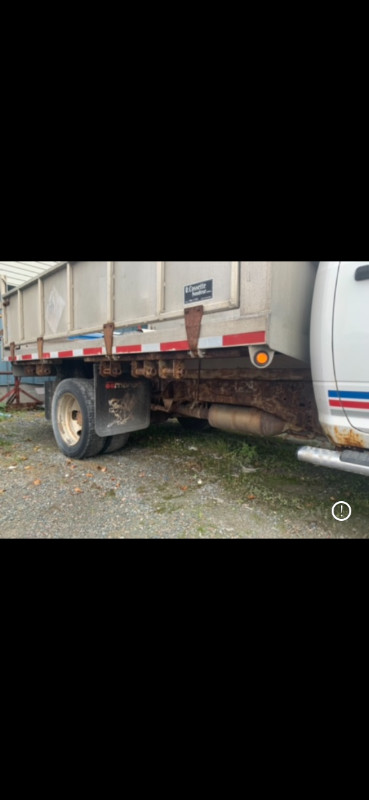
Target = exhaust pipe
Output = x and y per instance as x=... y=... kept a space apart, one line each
x=195 y=411
x=236 y=419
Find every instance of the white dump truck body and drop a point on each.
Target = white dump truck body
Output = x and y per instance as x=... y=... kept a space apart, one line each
x=251 y=347
x=244 y=303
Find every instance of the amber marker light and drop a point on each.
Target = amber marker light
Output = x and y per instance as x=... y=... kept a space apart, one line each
x=262 y=358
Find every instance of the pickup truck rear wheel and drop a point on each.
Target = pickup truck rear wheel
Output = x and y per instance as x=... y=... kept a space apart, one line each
x=73 y=419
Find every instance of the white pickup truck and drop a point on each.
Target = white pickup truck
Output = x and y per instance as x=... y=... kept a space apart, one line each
x=251 y=347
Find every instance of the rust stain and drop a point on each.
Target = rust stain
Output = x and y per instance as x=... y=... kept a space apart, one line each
x=346 y=438
x=292 y=402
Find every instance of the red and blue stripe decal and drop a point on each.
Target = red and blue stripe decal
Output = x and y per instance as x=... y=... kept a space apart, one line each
x=349 y=400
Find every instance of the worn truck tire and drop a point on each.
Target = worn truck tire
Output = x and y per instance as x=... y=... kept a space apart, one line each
x=114 y=443
x=73 y=419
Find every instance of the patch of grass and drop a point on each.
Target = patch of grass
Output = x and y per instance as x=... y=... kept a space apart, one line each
x=110 y=494
x=161 y=510
x=280 y=482
x=5 y=447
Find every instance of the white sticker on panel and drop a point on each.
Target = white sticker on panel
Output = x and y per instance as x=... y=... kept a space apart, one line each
x=54 y=310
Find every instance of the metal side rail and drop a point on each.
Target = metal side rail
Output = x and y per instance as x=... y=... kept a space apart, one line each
x=344 y=460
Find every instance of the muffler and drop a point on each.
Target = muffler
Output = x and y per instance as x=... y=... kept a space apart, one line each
x=236 y=419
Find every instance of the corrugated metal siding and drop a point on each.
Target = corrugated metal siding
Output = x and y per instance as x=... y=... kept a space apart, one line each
x=18 y=272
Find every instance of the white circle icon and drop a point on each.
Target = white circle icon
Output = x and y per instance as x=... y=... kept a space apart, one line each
x=341 y=511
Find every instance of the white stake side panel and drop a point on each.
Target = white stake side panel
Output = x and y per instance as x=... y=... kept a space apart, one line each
x=245 y=302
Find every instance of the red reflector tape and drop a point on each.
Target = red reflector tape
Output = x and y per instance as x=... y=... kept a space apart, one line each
x=259 y=337
x=92 y=351
x=167 y=346
x=130 y=348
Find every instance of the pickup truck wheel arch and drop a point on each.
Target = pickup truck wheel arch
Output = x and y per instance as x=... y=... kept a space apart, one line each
x=73 y=419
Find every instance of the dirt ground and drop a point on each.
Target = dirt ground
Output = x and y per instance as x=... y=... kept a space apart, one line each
x=169 y=484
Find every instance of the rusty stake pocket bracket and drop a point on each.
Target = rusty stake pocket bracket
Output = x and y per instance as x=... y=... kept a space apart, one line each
x=108 y=337
x=193 y=320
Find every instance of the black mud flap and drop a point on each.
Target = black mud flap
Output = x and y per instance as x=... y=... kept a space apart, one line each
x=122 y=405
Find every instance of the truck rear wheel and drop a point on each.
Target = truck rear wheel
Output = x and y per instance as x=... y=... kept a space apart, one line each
x=114 y=443
x=73 y=419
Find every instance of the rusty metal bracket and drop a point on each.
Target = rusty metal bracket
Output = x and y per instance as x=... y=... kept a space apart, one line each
x=165 y=370
x=40 y=347
x=42 y=370
x=144 y=369
x=110 y=369
x=12 y=351
x=150 y=370
x=193 y=320
x=178 y=370
x=137 y=369
x=169 y=370
x=108 y=336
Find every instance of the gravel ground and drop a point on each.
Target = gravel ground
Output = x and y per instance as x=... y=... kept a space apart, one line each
x=143 y=491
